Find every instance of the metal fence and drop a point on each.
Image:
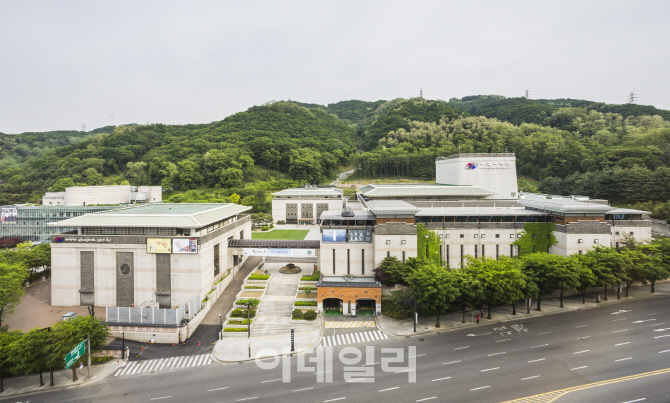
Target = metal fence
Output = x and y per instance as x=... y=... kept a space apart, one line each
x=154 y=316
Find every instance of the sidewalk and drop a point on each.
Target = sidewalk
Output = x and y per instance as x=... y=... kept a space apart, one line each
x=551 y=305
x=21 y=385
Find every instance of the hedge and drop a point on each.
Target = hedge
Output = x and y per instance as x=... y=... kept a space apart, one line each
x=314 y=277
x=305 y=303
x=297 y=314
x=254 y=287
x=309 y=315
x=242 y=313
x=236 y=329
x=239 y=322
x=253 y=302
x=255 y=276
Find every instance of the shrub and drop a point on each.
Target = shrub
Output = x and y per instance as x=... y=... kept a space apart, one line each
x=210 y=291
x=265 y=228
x=255 y=276
x=305 y=303
x=281 y=222
x=252 y=302
x=290 y=266
x=236 y=329
x=307 y=290
x=242 y=313
x=314 y=277
x=309 y=315
x=254 y=287
x=297 y=314
x=239 y=322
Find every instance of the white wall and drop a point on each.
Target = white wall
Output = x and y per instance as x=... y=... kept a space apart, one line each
x=497 y=174
x=279 y=206
x=86 y=195
x=452 y=237
x=568 y=244
x=394 y=248
x=355 y=259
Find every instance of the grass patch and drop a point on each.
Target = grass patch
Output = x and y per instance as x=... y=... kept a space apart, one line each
x=236 y=329
x=255 y=276
x=252 y=302
x=254 y=287
x=242 y=313
x=314 y=277
x=282 y=234
x=305 y=303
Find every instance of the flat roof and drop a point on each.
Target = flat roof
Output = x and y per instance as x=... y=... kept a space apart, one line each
x=565 y=206
x=179 y=215
x=337 y=215
x=340 y=281
x=627 y=211
x=274 y=243
x=475 y=155
x=422 y=189
x=477 y=211
x=386 y=207
x=324 y=192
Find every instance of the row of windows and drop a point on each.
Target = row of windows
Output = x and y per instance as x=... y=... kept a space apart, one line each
x=134 y=231
x=506 y=218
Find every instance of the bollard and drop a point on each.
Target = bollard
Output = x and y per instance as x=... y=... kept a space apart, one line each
x=598 y=299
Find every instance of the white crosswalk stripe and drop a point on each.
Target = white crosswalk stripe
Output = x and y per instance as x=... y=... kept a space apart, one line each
x=138 y=367
x=350 y=324
x=352 y=338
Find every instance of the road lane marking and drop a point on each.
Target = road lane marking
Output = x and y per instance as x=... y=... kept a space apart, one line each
x=664 y=351
x=271 y=380
x=441 y=379
x=642 y=321
x=616 y=320
x=661 y=330
x=658 y=324
x=621 y=344
x=585 y=366
x=461 y=348
x=665 y=335
x=451 y=362
x=482 y=387
x=414 y=356
x=374 y=363
x=582 y=338
x=212 y=390
x=332 y=400
x=530 y=377
x=618 y=331
x=490 y=369
x=247 y=398
x=300 y=390
x=624 y=359
x=504 y=352
x=541 y=345
x=541 y=359
x=503 y=340
x=404 y=370
x=164 y=397
x=583 y=351
x=539 y=334
x=655 y=313
x=428 y=398
x=577 y=327
x=638 y=400
x=386 y=390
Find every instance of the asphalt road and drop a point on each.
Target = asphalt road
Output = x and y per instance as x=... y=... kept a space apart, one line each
x=494 y=362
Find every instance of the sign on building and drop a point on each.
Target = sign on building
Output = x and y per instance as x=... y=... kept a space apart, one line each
x=279 y=252
x=159 y=245
x=182 y=245
x=334 y=235
x=359 y=235
x=9 y=215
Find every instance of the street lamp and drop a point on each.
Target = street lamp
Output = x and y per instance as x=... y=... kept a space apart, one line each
x=51 y=371
x=249 y=328
x=221 y=322
x=123 y=344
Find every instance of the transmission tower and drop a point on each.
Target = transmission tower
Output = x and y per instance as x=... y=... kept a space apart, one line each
x=421 y=93
x=83 y=127
x=631 y=98
x=526 y=93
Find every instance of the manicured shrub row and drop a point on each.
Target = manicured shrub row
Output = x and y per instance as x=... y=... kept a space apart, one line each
x=239 y=322
x=242 y=313
x=253 y=302
x=236 y=329
x=254 y=287
x=309 y=315
x=255 y=276
x=305 y=303
x=314 y=277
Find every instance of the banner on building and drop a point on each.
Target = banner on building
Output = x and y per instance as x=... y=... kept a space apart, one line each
x=334 y=235
x=359 y=235
x=182 y=245
x=9 y=215
x=159 y=245
x=279 y=252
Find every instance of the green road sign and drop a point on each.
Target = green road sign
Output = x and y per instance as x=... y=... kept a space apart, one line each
x=75 y=354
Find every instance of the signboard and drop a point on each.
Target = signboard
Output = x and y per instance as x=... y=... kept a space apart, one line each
x=359 y=235
x=181 y=245
x=9 y=215
x=75 y=354
x=334 y=235
x=60 y=239
x=279 y=252
x=159 y=245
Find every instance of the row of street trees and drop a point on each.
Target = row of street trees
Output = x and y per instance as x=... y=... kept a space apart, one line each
x=489 y=282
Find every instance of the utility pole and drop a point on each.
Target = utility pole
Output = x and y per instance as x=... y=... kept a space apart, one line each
x=631 y=98
x=88 y=342
x=249 y=328
x=526 y=93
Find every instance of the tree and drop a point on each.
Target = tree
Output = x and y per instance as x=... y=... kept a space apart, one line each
x=11 y=288
x=502 y=280
x=392 y=271
x=428 y=245
x=642 y=267
x=566 y=275
x=471 y=292
x=6 y=355
x=435 y=287
x=659 y=251
x=536 y=237
x=29 y=352
x=65 y=335
x=189 y=174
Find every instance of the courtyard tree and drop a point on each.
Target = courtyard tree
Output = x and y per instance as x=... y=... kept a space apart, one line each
x=391 y=271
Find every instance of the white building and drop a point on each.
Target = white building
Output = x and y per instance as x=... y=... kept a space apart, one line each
x=494 y=172
x=95 y=195
x=305 y=205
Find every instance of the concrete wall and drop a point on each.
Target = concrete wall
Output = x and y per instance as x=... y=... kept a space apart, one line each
x=355 y=259
x=85 y=195
x=154 y=194
x=486 y=241
x=494 y=172
x=279 y=206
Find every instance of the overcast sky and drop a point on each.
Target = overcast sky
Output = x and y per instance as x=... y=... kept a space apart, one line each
x=68 y=63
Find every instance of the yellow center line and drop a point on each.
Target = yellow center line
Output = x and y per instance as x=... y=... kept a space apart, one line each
x=552 y=396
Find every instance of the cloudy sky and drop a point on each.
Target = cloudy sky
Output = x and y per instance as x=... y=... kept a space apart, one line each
x=64 y=64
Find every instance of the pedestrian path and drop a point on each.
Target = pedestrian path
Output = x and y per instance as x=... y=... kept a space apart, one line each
x=350 y=324
x=138 y=367
x=352 y=338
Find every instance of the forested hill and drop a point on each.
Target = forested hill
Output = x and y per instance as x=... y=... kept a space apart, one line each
x=274 y=141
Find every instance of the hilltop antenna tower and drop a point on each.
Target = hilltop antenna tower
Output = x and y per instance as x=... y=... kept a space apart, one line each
x=83 y=127
x=631 y=98
x=421 y=93
x=526 y=93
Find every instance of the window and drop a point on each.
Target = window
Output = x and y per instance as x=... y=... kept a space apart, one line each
x=333 y=261
x=595 y=241
x=511 y=250
x=217 y=261
x=511 y=235
x=388 y=254
x=483 y=235
x=363 y=261
x=388 y=241
x=518 y=235
x=632 y=233
x=580 y=252
x=447 y=235
x=403 y=256
x=497 y=251
x=403 y=242
x=447 y=255
x=497 y=235
x=616 y=233
x=462 y=236
x=476 y=236
x=461 y=255
x=440 y=236
x=483 y=251
x=580 y=241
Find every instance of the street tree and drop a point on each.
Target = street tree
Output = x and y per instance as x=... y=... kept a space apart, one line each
x=471 y=292
x=502 y=280
x=6 y=356
x=642 y=266
x=435 y=287
x=586 y=280
x=599 y=261
x=659 y=251
x=11 y=288
x=538 y=267
x=29 y=353
x=565 y=275
x=391 y=271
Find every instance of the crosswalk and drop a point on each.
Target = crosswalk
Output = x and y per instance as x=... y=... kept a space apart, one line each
x=138 y=367
x=352 y=338
x=350 y=324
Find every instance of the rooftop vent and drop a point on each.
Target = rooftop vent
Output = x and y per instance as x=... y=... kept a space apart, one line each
x=347 y=212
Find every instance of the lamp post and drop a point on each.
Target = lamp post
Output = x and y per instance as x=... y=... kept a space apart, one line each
x=51 y=371
x=249 y=328
x=221 y=322
x=123 y=344
x=415 y=311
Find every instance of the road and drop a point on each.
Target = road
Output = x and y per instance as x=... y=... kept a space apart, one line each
x=493 y=362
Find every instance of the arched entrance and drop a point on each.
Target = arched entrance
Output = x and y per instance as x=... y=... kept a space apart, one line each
x=332 y=306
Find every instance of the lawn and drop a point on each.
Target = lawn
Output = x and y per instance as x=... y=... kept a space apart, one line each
x=283 y=234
